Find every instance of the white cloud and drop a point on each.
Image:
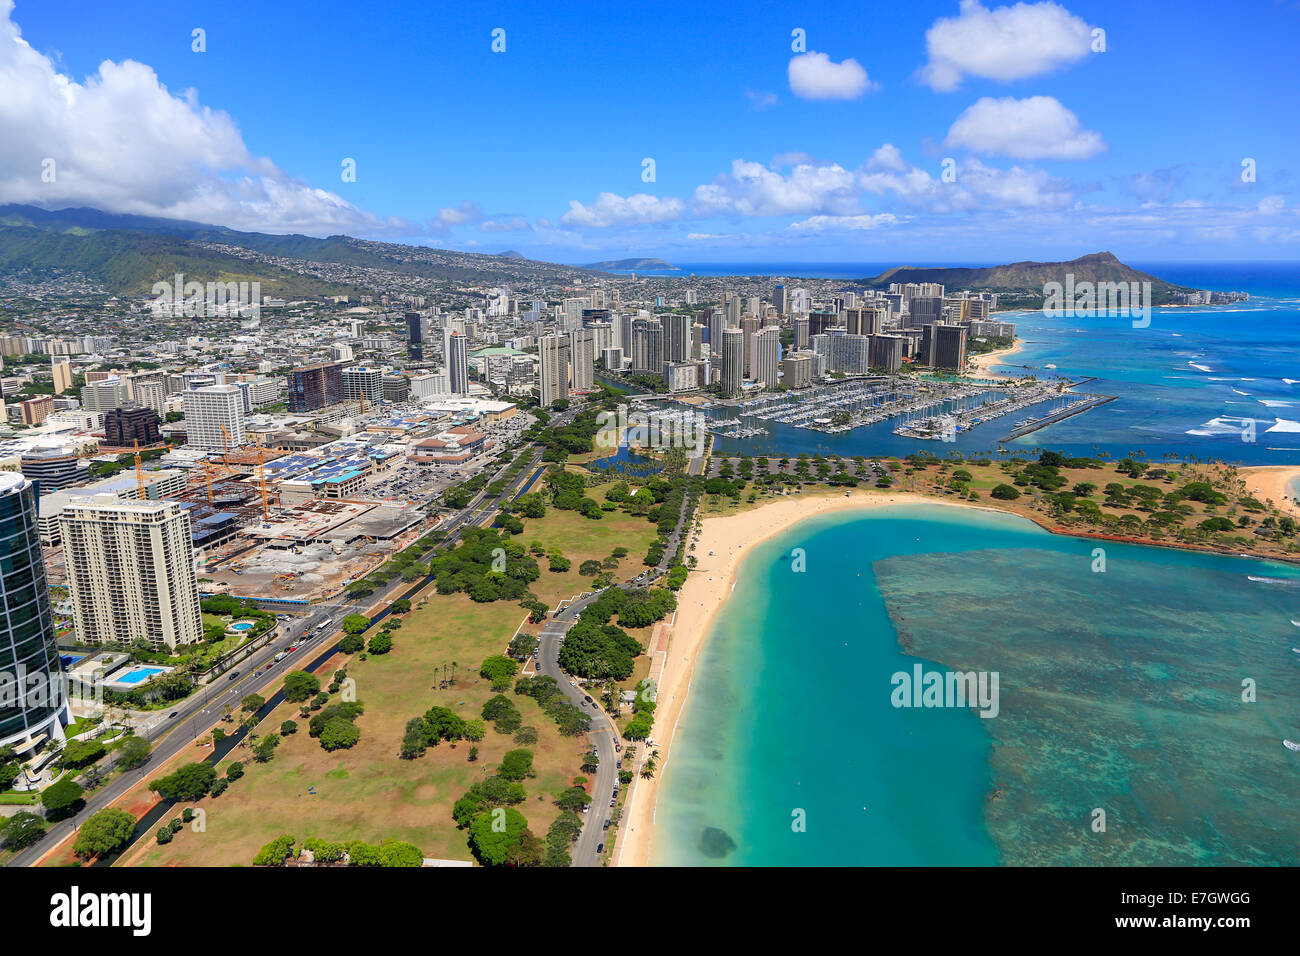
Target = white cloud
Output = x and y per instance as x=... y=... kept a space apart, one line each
x=815 y=76
x=1008 y=43
x=610 y=209
x=120 y=141
x=455 y=216
x=512 y=224
x=975 y=187
x=759 y=100
x=1037 y=127
x=818 y=224
x=752 y=189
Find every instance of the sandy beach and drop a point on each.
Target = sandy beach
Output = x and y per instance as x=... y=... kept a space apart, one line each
x=730 y=539
x=1272 y=481
x=983 y=363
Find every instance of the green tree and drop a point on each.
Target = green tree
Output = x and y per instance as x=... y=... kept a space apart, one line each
x=339 y=734
x=133 y=753
x=60 y=797
x=104 y=832
x=355 y=623
x=299 y=685
x=21 y=830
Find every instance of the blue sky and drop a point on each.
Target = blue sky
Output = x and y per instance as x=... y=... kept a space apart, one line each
x=761 y=152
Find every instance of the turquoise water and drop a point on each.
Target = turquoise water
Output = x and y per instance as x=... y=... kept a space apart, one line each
x=139 y=674
x=1119 y=691
x=241 y=626
x=1217 y=382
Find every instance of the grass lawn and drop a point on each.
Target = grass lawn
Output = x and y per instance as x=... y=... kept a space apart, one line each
x=368 y=792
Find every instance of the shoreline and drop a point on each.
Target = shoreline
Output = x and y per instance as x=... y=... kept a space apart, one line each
x=1273 y=482
x=732 y=538
x=983 y=363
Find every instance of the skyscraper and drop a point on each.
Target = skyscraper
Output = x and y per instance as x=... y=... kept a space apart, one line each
x=125 y=426
x=749 y=325
x=458 y=363
x=677 y=337
x=209 y=410
x=582 y=359
x=778 y=299
x=553 y=369
x=363 y=384
x=27 y=642
x=62 y=369
x=733 y=362
x=415 y=336
x=767 y=351
x=130 y=568
x=315 y=386
x=647 y=346
x=800 y=323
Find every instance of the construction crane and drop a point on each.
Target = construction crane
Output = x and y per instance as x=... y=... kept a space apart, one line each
x=261 y=475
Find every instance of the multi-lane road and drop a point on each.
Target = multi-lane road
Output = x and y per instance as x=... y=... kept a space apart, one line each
x=195 y=716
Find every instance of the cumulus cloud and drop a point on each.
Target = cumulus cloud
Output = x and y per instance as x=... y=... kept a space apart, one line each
x=122 y=142
x=510 y=224
x=818 y=224
x=752 y=189
x=610 y=209
x=455 y=216
x=1008 y=43
x=1037 y=127
x=975 y=186
x=815 y=76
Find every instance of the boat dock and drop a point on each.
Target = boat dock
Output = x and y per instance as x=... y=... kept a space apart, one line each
x=1093 y=401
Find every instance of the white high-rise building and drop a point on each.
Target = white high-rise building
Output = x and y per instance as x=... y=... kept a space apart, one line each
x=130 y=568
x=733 y=362
x=553 y=371
x=582 y=359
x=767 y=354
x=341 y=352
x=458 y=363
x=363 y=384
x=208 y=410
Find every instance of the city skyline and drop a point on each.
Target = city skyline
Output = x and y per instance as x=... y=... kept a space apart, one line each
x=822 y=136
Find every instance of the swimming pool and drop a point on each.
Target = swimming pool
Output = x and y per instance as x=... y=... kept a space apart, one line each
x=242 y=626
x=138 y=674
x=67 y=660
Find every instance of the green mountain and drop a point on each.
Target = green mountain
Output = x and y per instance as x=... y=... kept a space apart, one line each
x=1026 y=279
x=129 y=253
x=131 y=262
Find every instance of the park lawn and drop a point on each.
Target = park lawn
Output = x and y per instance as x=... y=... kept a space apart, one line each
x=368 y=792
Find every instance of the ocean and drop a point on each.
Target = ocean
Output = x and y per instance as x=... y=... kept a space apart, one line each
x=1121 y=734
x=1218 y=382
